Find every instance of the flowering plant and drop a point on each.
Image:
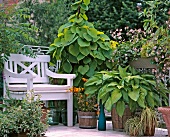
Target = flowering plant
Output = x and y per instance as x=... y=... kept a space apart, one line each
x=82 y=101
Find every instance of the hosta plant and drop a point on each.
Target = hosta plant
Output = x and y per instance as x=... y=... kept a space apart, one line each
x=126 y=86
x=82 y=49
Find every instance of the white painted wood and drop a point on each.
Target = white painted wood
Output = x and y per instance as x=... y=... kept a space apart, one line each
x=23 y=74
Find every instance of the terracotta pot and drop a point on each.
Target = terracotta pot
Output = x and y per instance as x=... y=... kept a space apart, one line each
x=149 y=132
x=87 y=120
x=166 y=116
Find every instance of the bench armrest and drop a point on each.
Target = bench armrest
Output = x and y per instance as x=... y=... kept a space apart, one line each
x=15 y=75
x=56 y=75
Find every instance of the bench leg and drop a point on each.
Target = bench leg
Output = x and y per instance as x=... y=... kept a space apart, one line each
x=70 y=111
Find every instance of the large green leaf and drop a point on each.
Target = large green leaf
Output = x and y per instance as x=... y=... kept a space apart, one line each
x=83 y=69
x=125 y=96
x=105 y=36
x=70 y=42
x=84 y=50
x=91 y=89
x=92 y=81
x=122 y=72
x=102 y=45
x=84 y=7
x=67 y=25
x=83 y=42
x=74 y=49
x=116 y=95
x=94 y=46
x=141 y=100
x=93 y=64
x=134 y=95
x=120 y=108
x=108 y=104
x=67 y=66
x=150 y=99
x=98 y=55
x=92 y=32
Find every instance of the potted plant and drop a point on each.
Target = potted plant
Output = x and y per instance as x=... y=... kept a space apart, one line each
x=126 y=86
x=86 y=106
x=24 y=117
x=143 y=124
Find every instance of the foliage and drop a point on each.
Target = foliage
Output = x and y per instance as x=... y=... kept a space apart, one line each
x=145 y=122
x=22 y=116
x=83 y=50
x=47 y=16
x=13 y=34
x=82 y=101
x=126 y=86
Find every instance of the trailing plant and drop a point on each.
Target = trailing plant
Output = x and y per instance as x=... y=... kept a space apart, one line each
x=126 y=86
x=83 y=50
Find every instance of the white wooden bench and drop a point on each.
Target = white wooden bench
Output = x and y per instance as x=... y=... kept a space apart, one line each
x=23 y=73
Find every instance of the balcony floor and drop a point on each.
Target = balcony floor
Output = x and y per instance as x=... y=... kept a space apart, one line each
x=64 y=131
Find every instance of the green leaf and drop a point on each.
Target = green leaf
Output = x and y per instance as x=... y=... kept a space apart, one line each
x=91 y=89
x=150 y=99
x=103 y=46
x=92 y=81
x=67 y=25
x=94 y=46
x=82 y=70
x=122 y=72
x=125 y=96
x=70 y=42
x=105 y=36
x=108 y=104
x=80 y=56
x=87 y=37
x=84 y=16
x=91 y=72
x=120 y=108
x=92 y=32
x=72 y=59
x=134 y=95
x=86 y=60
x=74 y=49
x=93 y=64
x=68 y=35
x=85 y=7
x=86 y=2
x=84 y=50
x=83 y=42
x=67 y=66
x=116 y=95
x=141 y=100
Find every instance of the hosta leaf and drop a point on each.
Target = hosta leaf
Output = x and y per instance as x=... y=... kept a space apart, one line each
x=134 y=95
x=93 y=64
x=94 y=46
x=69 y=35
x=84 y=16
x=85 y=7
x=83 y=42
x=82 y=70
x=92 y=32
x=70 y=42
x=73 y=29
x=91 y=81
x=91 y=89
x=105 y=36
x=67 y=66
x=120 y=108
x=67 y=25
x=116 y=95
x=122 y=72
x=108 y=104
x=90 y=72
x=103 y=46
x=141 y=100
x=125 y=96
x=150 y=99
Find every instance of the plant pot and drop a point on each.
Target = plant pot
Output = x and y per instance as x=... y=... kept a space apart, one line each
x=117 y=121
x=143 y=63
x=23 y=134
x=44 y=116
x=87 y=120
x=166 y=116
x=149 y=133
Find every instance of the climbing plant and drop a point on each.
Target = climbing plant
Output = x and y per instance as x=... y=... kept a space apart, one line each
x=83 y=50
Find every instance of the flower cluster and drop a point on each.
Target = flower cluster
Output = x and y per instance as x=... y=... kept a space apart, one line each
x=82 y=101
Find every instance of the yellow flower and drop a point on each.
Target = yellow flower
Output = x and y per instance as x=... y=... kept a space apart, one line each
x=102 y=39
x=113 y=44
x=86 y=27
x=60 y=34
x=84 y=79
x=99 y=32
x=87 y=103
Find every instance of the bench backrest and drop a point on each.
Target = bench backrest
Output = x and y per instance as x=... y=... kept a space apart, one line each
x=22 y=64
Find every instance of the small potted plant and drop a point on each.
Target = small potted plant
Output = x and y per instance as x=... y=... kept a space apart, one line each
x=86 y=106
x=126 y=87
x=143 y=124
x=24 y=117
